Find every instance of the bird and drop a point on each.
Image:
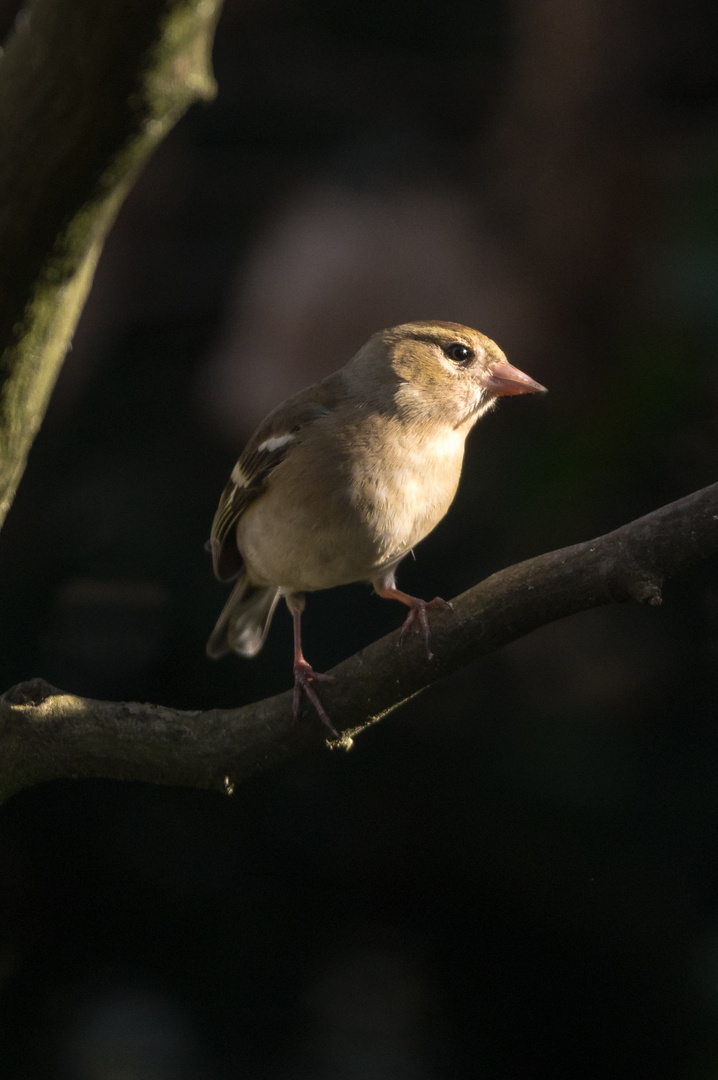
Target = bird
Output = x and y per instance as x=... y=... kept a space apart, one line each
x=342 y=480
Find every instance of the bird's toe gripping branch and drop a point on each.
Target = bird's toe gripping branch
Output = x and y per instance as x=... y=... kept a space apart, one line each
x=418 y=610
x=304 y=673
x=304 y=676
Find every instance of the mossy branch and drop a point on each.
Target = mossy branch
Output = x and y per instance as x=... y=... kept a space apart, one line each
x=88 y=88
x=46 y=734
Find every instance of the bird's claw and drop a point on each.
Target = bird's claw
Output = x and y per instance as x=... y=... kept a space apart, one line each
x=304 y=676
x=418 y=611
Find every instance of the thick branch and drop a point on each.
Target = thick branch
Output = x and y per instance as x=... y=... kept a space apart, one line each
x=46 y=734
x=88 y=88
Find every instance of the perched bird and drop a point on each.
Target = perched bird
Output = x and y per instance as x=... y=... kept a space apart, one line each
x=342 y=480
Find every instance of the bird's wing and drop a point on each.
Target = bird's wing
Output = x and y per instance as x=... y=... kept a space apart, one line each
x=269 y=445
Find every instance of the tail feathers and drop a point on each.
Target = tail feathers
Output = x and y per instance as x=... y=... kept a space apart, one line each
x=244 y=622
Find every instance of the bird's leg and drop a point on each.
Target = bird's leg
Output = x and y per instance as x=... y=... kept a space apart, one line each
x=418 y=609
x=304 y=674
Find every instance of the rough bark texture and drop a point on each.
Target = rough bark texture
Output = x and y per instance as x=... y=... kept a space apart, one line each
x=46 y=734
x=87 y=90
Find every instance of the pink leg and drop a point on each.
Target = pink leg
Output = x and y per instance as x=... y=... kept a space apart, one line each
x=417 y=608
x=304 y=675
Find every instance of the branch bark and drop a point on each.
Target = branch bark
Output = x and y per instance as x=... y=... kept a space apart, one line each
x=88 y=88
x=46 y=734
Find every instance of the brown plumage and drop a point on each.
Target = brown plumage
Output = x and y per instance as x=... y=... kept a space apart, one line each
x=340 y=481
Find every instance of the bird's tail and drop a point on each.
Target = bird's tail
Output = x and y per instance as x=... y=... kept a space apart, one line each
x=244 y=622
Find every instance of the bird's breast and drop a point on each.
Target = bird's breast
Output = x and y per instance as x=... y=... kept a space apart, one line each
x=338 y=510
x=406 y=490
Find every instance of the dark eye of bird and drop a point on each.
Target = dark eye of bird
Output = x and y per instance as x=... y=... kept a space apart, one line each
x=459 y=353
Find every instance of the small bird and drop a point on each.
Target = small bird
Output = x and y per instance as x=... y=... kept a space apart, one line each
x=341 y=480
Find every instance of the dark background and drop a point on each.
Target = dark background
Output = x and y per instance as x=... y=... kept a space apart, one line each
x=515 y=876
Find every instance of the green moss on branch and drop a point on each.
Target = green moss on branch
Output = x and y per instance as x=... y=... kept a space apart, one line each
x=88 y=88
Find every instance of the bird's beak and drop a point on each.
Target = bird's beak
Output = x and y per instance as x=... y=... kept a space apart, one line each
x=505 y=380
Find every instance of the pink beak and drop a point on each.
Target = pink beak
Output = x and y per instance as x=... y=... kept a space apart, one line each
x=506 y=380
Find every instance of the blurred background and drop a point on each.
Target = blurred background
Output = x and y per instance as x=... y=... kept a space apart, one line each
x=516 y=875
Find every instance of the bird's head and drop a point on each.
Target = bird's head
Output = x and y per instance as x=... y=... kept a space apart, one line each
x=451 y=371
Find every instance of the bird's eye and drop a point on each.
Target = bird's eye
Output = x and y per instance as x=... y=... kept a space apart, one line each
x=459 y=353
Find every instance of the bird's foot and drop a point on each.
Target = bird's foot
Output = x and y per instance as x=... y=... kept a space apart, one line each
x=418 y=612
x=304 y=676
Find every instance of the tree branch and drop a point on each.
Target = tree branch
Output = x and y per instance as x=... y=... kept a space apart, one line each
x=88 y=88
x=46 y=734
